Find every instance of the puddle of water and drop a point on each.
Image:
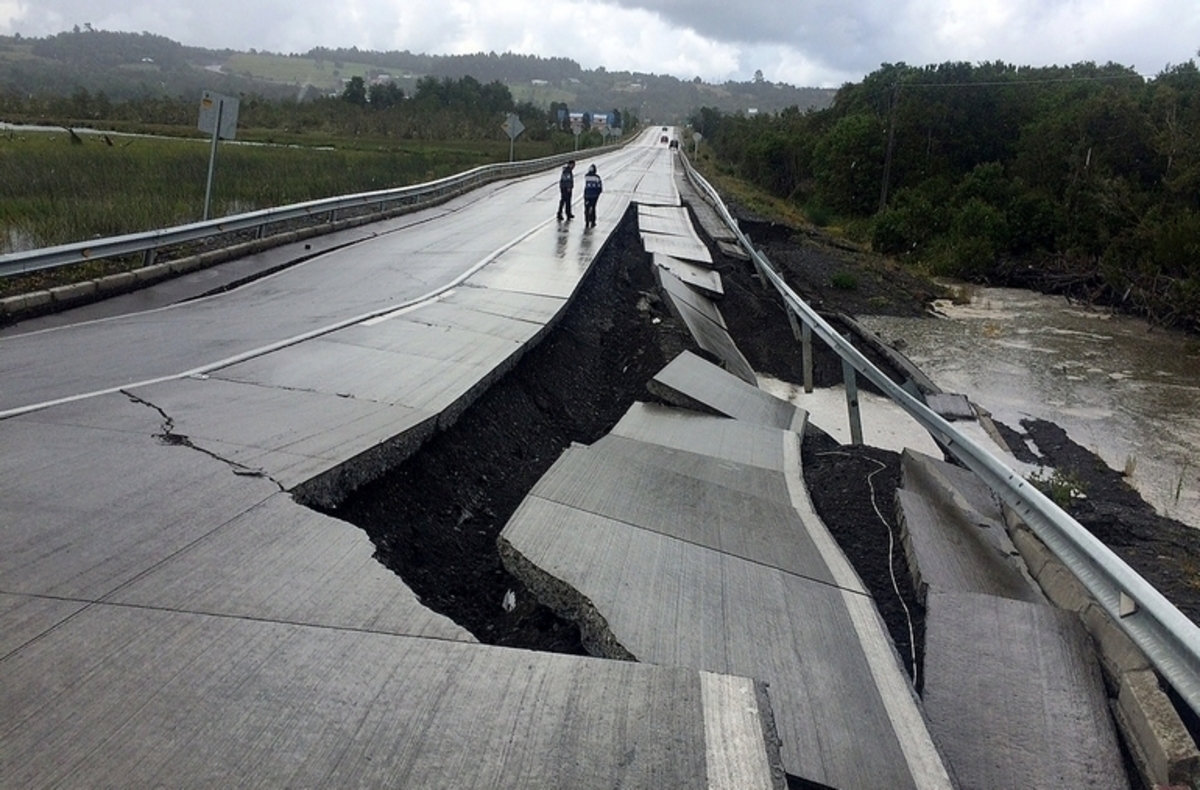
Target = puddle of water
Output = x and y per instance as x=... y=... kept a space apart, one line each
x=1129 y=393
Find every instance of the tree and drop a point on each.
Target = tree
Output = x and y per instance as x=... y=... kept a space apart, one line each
x=356 y=91
x=383 y=95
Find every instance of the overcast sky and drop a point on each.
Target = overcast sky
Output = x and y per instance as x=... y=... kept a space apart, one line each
x=808 y=43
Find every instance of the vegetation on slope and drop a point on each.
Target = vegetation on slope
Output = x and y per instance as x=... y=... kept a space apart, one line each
x=1084 y=179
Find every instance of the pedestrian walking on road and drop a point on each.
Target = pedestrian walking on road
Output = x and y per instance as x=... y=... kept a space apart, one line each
x=566 y=184
x=592 y=187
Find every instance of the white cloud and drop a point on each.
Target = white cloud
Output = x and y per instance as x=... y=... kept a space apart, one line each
x=804 y=42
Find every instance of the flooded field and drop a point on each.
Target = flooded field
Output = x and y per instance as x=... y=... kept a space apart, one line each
x=1129 y=392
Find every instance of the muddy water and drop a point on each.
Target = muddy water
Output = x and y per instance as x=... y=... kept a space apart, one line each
x=1129 y=393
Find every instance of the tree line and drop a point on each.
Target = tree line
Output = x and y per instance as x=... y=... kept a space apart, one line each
x=439 y=109
x=1083 y=179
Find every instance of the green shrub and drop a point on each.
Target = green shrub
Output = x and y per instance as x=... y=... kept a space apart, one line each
x=845 y=281
x=817 y=213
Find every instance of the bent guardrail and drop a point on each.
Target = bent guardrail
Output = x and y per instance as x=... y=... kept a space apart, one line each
x=1169 y=639
x=149 y=243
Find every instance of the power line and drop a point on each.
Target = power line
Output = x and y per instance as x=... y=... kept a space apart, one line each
x=1140 y=77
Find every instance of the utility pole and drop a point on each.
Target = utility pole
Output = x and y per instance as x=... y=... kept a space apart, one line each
x=891 y=138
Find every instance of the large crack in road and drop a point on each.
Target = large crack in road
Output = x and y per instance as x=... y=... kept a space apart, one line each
x=435 y=519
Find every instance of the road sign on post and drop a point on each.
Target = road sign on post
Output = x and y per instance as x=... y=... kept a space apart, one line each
x=218 y=117
x=576 y=129
x=513 y=127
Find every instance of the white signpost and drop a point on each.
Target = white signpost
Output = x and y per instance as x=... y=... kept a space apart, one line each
x=513 y=127
x=218 y=117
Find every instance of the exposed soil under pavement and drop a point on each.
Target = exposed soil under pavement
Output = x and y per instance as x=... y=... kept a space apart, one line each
x=435 y=519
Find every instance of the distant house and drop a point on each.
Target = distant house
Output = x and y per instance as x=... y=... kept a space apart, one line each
x=540 y=82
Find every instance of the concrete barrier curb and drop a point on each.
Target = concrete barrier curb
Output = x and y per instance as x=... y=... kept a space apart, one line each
x=116 y=283
x=152 y=273
x=1160 y=743
x=1163 y=749
x=75 y=292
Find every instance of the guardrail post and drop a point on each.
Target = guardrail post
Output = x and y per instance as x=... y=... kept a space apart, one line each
x=796 y=332
x=762 y=278
x=148 y=257
x=851 y=381
x=806 y=356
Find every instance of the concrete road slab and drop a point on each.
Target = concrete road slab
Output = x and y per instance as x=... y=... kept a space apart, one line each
x=226 y=274
x=551 y=262
x=389 y=377
x=292 y=435
x=700 y=306
x=696 y=509
x=668 y=221
x=673 y=602
x=530 y=308
x=704 y=280
x=684 y=248
x=954 y=534
x=27 y=617
x=418 y=335
x=690 y=381
x=947 y=555
x=667 y=212
x=284 y=562
x=676 y=224
x=657 y=188
x=950 y=406
x=751 y=480
x=1013 y=694
x=79 y=523
x=716 y=437
x=499 y=314
x=131 y=697
x=710 y=333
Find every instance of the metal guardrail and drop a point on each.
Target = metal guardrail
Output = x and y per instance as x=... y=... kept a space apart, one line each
x=1169 y=639
x=150 y=242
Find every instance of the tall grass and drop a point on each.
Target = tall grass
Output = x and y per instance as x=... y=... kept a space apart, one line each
x=53 y=191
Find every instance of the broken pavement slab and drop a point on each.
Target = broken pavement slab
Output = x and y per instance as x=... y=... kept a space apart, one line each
x=707 y=281
x=127 y=696
x=691 y=382
x=953 y=533
x=1031 y=668
x=655 y=570
x=706 y=325
x=994 y=643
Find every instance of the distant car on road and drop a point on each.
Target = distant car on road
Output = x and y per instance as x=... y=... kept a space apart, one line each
x=664 y=128
x=674 y=144
x=665 y=139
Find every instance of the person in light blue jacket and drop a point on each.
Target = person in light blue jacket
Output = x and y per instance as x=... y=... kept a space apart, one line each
x=592 y=187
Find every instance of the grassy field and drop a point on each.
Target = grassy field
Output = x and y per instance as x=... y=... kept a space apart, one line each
x=57 y=192
x=323 y=75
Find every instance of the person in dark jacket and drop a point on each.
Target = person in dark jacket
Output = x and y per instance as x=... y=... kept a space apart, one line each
x=566 y=184
x=592 y=187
